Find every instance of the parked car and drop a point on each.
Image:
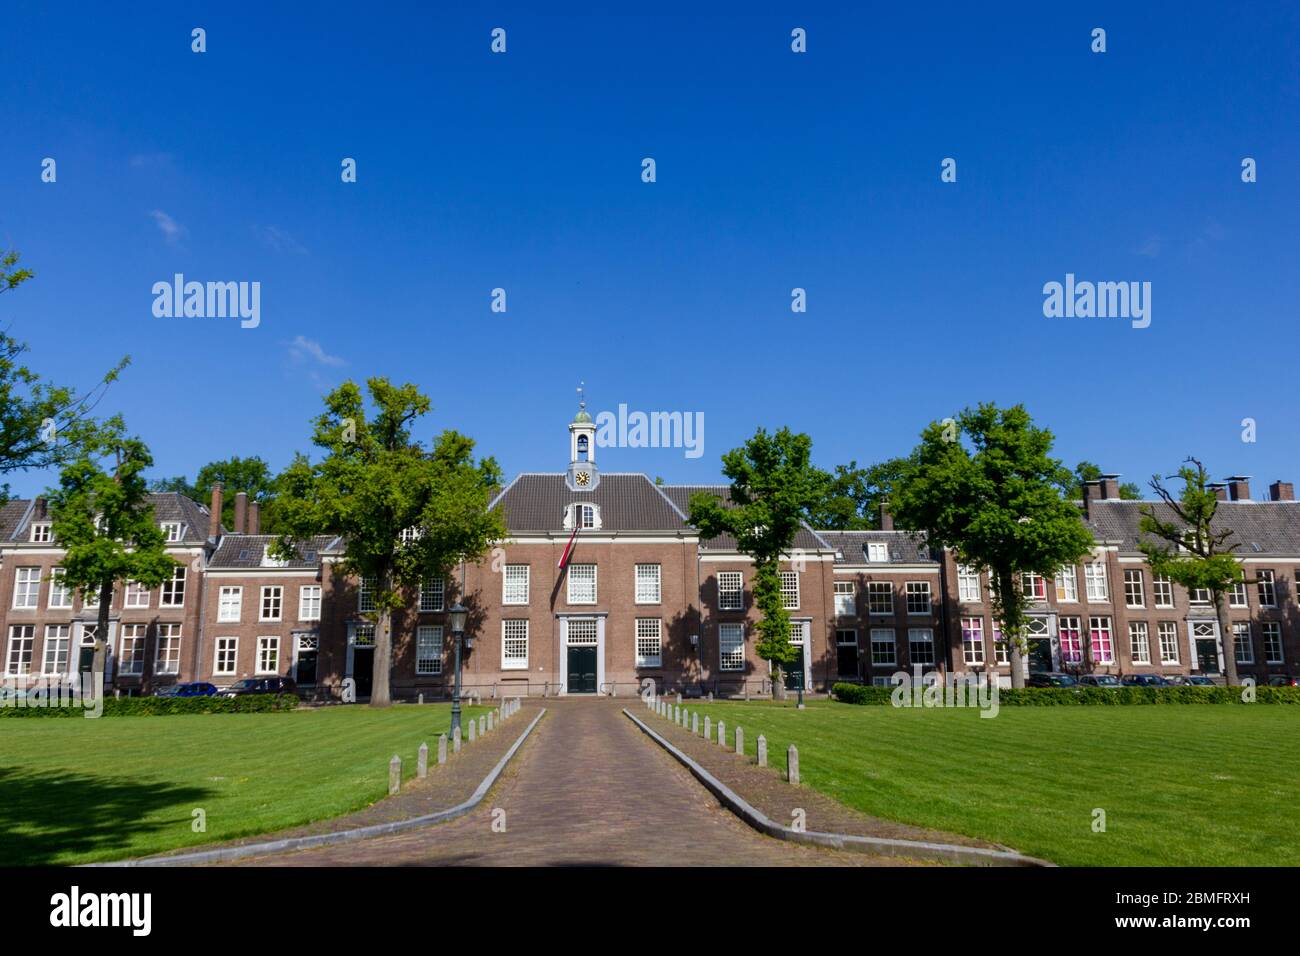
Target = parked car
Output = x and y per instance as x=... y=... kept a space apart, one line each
x=1277 y=680
x=1100 y=680
x=1193 y=680
x=279 y=686
x=192 y=689
x=1051 y=680
x=1145 y=680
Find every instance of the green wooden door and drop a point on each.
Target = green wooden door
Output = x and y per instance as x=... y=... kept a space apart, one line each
x=582 y=670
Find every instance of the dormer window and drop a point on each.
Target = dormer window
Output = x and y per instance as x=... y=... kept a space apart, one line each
x=877 y=551
x=409 y=536
x=41 y=533
x=172 y=531
x=270 y=561
x=583 y=516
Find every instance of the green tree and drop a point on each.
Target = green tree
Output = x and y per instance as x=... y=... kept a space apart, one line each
x=42 y=425
x=1190 y=550
x=854 y=495
x=1086 y=471
x=774 y=491
x=101 y=516
x=405 y=512
x=250 y=475
x=996 y=504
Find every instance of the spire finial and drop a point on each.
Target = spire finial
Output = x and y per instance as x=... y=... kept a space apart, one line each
x=582 y=399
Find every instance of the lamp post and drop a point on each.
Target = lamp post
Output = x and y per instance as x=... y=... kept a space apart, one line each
x=456 y=618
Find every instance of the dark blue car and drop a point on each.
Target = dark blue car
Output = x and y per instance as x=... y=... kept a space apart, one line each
x=196 y=689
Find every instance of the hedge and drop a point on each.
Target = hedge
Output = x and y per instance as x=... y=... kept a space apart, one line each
x=162 y=706
x=1072 y=696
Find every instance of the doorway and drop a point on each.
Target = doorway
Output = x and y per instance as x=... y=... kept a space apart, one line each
x=582 y=670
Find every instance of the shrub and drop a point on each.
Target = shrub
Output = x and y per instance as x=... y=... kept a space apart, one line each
x=161 y=706
x=1099 y=696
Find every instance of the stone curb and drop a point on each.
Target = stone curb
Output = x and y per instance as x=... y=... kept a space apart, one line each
x=343 y=836
x=943 y=852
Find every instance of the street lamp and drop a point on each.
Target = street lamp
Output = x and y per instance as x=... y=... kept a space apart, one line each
x=456 y=618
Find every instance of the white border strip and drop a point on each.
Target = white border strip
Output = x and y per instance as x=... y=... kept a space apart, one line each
x=944 y=852
x=343 y=836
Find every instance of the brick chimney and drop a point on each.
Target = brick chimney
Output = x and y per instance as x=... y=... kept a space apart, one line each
x=214 y=515
x=40 y=508
x=1220 y=490
x=1092 y=491
x=254 y=518
x=1110 y=487
x=1281 y=491
x=886 y=518
x=1239 y=487
x=241 y=512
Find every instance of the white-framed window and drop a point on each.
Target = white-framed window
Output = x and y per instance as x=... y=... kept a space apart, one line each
x=268 y=654
x=1139 y=642
x=18 y=661
x=408 y=536
x=363 y=635
x=428 y=649
x=1033 y=586
x=1237 y=596
x=1167 y=631
x=27 y=587
x=514 y=643
x=731 y=647
x=649 y=642
x=172 y=531
x=582 y=584
x=1272 y=632
x=1103 y=647
x=514 y=584
x=1067 y=585
x=846 y=604
x=60 y=595
x=972 y=639
x=1070 y=632
x=167 y=660
x=584 y=515
x=968 y=584
x=877 y=552
x=230 y=602
x=227 y=656
x=883 y=646
x=58 y=640
x=1267 y=588
x=309 y=602
x=790 y=589
x=731 y=591
x=1198 y=595
x=920 y=641
x=648 y=589
x=41 y=533
x=1241 y=642
x=130 y=658
x=366 y=595
x=1001 y=652
x=880 y=597
x=1134 y=592
x=137 y=595
x=173 y=590
x=1163 y=589
x=433 y=592
x=272 y=608
x=918 y=597
x=1094 y=578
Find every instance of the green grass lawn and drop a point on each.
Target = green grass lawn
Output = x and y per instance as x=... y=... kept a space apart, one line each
x=1186 y=784
x=76 y=790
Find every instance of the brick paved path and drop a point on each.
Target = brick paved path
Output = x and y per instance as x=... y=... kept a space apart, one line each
x=587 y=788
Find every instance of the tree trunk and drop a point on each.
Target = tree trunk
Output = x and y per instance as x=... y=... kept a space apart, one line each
x=101 y=635
x=1226 y=641
x=381 y=691
x=778 y=683
x=1017 y=663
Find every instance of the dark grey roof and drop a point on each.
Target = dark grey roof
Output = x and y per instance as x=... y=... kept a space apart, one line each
x=627 y=502
x=167 y=506
x=246 y=550
x=1259 y=527
x=805 y=540
x=905 y=547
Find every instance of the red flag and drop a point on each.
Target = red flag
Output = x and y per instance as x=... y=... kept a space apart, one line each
x=568 y=548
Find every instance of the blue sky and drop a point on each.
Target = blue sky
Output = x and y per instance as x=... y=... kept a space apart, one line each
x=775 y=170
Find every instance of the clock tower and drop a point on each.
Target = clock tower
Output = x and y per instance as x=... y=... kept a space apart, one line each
x=582 y=474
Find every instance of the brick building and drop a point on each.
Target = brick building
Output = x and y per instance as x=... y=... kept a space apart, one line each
x=640 y=596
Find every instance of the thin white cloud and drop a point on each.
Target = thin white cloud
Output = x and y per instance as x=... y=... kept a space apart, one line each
x=1150 y=247
x=302 y=349
x=151 y=160
x=273 y=237
x=172 y=230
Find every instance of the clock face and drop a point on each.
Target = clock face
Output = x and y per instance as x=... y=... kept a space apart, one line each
x=582 y=479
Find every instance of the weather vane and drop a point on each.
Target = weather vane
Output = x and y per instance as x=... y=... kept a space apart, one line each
x=582 y=400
